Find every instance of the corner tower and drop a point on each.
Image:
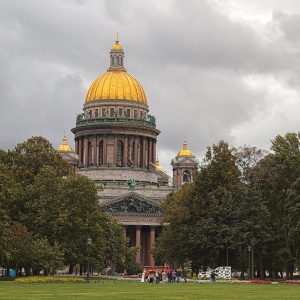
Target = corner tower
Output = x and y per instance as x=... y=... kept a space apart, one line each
x=68 y=154
x=184 y=164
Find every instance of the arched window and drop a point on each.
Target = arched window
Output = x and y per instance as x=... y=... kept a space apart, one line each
x=117 y=60
x=120 y=153
x=100 y=158
x=187 y=177
x=113 y=60
x=90 y=162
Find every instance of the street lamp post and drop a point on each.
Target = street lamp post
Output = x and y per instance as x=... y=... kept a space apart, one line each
x=89 y=242
x=252 y=262
x=249 y=250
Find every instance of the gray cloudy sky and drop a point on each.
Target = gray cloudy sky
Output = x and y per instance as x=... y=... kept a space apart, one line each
x=212 y=70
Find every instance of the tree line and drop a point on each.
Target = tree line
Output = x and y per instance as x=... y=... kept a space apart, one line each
x=47 y=213
x=241 y=199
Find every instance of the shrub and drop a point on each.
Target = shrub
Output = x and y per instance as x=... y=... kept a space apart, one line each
x=48 y=279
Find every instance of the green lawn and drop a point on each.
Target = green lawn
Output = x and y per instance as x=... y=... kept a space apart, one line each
x=131 y=290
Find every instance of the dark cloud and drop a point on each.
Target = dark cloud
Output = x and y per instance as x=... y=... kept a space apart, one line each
x=207 y=76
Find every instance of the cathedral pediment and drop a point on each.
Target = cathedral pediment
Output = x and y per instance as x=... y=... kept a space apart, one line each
x=132 y=204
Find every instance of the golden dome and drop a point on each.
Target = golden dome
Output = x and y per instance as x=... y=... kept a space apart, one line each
x=117 y=46
x=158 y=167
x=185 y=151
x=64 y=146
x=116 y=84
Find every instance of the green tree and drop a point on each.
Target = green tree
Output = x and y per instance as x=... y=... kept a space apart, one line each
x=255 y=229
x=254 y=216
x=294 y=217
x=130 y=265
x=200 y=216
x=278 y=172
x=32 y=155
x=80 y=217
x=171 y=244
x=219 y=186
x=9 y=192
x=229 y=231
x=4 y=236
x=115 y=243
x=57 y=214
x=42 y=204
x=20 y=247
x=46 y=257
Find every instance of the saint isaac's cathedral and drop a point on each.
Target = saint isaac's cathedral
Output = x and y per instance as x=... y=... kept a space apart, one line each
x=115 y=145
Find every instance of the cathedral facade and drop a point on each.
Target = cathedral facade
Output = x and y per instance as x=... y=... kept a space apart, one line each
x=115 y=145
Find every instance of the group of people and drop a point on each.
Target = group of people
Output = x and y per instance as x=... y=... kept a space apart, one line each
x=161 y=276
x=174 y=276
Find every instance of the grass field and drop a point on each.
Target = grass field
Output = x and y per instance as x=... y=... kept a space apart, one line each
x=135 y=290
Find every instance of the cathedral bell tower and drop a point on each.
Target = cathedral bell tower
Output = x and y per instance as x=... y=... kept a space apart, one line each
x=184 y=164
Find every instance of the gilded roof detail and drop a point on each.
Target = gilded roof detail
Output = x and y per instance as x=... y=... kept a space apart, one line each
x=117 y=46
x=116 y=84
x=64 y=146
x=185 y=151
x=158 y=167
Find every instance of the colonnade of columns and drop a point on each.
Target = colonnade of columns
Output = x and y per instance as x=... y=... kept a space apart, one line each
x=88 y=150
x=144 y=238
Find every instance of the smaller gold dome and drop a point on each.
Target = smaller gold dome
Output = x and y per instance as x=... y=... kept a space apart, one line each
x=64 y=146
x=185 y=151
x=117 y=46
x=158 y=167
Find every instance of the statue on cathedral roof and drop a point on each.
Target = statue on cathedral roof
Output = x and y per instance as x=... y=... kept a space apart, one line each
x=131 y=183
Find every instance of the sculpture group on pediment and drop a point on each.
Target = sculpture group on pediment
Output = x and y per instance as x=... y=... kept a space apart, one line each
x=132 y=205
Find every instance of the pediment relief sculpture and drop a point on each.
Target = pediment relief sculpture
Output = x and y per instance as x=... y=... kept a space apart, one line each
x=132 y=206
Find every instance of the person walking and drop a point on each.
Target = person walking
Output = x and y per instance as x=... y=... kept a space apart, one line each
x=213 y=277
x=143 y=276
x=164 y=276
x=178 y=275
x=173 y=276
x=159 y=275
x=170 y=276
x=156 y=276
x=184 y=274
